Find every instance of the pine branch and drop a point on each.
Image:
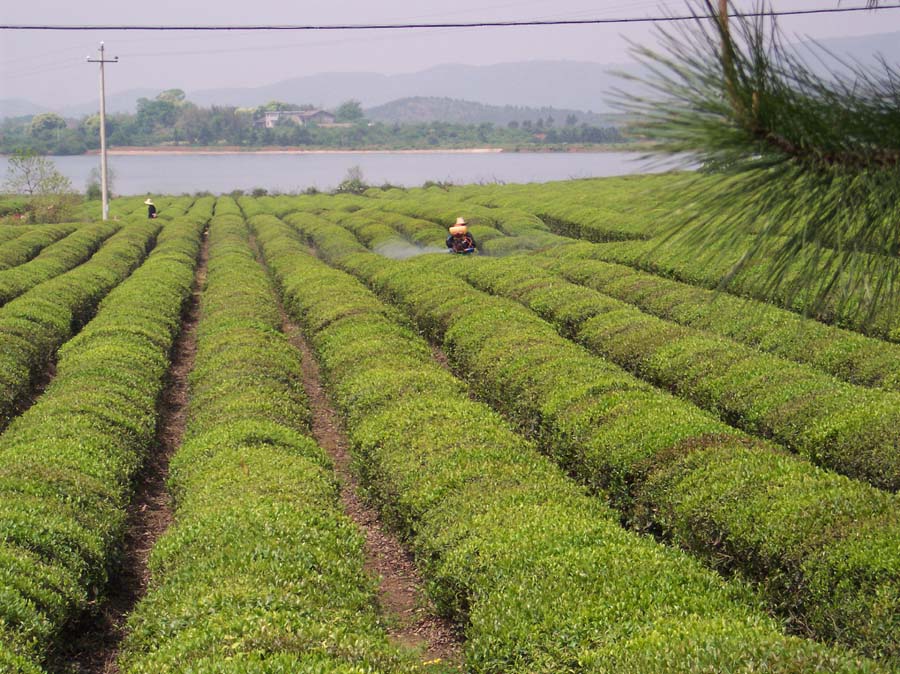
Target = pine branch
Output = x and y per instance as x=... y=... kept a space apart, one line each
x=800 y=170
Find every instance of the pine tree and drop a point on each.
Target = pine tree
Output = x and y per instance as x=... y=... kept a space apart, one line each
x=801 y=170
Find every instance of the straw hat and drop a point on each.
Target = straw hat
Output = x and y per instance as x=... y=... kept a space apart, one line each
x=149 y=201
x=459 y=227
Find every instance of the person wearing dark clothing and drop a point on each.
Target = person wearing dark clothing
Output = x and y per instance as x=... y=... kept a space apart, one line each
x=460 y=241
x=151 y=209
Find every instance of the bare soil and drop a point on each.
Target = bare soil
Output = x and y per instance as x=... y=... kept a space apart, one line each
x=440 y=357
x=93 y=646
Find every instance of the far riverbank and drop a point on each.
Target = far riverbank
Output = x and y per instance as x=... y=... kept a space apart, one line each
x=124 y=151
x=155 y=151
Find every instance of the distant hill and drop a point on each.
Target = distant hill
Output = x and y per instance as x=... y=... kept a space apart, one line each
x=18 y=107
x=569 y=85
x=563 y=84
x=433 y=109
x=862 y=48
x=124 y=101
x=558 y=84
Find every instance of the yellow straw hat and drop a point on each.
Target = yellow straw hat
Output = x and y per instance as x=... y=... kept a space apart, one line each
x=459 y=227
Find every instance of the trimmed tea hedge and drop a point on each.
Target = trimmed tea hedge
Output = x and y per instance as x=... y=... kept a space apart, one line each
x=434 y=205
x=261 y=571
x=797 y=524
x=684 y=262
x=632 y=207
x=838 y=426
x=34 y=325
x=251 y=206
x=845 y=428
x=604 y=209
x=498 y=231
x=375 y=234
x=66 y=465
x=543 y=575
x=133 y=208
x=423 y=233
x=28 y=244
x=10 y=232
x=55 y=259
x=844 y=354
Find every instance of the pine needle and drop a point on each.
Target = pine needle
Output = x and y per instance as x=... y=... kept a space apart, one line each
x=798 y=170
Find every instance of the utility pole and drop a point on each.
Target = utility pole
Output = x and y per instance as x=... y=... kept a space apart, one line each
x=103 y=184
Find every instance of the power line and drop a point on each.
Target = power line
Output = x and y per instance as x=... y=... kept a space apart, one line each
x=413 y=26
x=39 y=66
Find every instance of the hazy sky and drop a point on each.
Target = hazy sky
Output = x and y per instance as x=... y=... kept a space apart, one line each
x=47 y=67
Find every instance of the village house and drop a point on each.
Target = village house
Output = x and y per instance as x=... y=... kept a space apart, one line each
x=301 y=117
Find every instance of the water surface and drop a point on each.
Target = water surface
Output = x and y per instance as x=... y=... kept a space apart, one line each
x=189 y=173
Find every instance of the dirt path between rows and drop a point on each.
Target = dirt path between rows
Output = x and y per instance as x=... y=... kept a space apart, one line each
x=93 y=647
x=411 y=617
x=412 y=620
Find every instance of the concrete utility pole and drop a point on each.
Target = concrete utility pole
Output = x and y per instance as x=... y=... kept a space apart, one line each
x=103 y=184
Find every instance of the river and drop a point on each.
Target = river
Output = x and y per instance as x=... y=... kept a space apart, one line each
x=222 y=173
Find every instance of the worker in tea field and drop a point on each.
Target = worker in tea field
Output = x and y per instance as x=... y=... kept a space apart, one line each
x=151 y=209
x=460 y=241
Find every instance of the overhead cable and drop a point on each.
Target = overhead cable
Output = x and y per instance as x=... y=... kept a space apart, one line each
x=414 y=26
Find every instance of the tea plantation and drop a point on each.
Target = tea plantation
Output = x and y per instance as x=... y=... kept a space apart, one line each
x=604 y=452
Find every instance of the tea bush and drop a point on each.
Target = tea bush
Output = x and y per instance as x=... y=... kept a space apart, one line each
x=35 y=324
x=261 y=571
x=28 y=243
x=543 y=575
x=68 y=462
x=55 y=259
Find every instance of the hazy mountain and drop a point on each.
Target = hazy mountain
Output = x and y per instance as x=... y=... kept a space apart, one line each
x=559 y=84
x=862 y=48
x=18 y=107
x=567 y=84
x=123 y=101
x=434 y=109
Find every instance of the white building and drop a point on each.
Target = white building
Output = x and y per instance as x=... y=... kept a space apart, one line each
x=300 y=117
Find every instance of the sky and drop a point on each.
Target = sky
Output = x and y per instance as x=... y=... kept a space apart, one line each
x=49 y=67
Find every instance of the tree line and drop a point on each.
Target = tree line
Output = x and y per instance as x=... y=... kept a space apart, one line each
x=170 y=119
